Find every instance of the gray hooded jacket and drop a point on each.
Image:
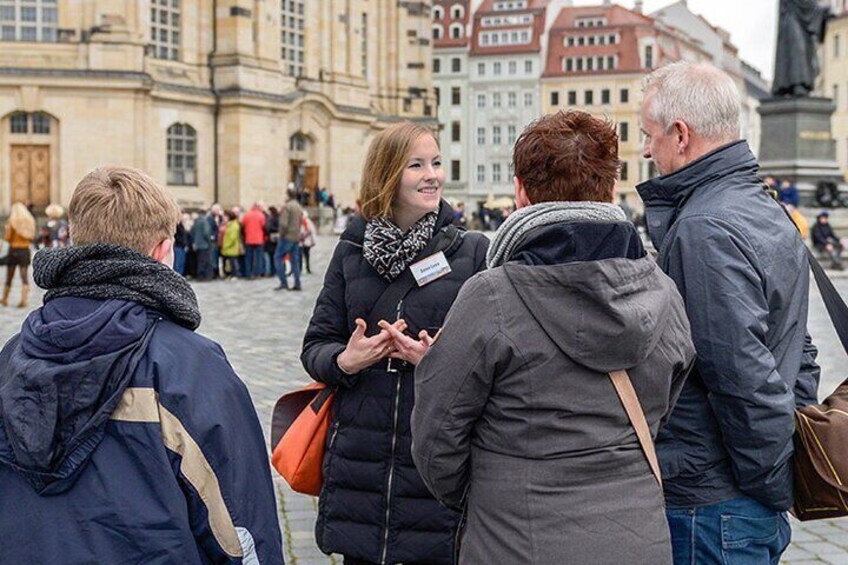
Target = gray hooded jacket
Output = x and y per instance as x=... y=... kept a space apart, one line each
x=526 y=430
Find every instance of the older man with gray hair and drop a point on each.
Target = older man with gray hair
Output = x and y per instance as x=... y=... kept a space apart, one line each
x=741 y=267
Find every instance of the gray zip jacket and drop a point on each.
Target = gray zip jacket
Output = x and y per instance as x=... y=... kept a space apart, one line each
x=741 y=268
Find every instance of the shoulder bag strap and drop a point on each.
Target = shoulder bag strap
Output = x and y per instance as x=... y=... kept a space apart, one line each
x=386 y=305
x=836 y=307
x=630 y=401
x=626 y=393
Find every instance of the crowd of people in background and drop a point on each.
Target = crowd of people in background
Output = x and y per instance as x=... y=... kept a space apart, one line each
x=824 y=239
x=258 y=242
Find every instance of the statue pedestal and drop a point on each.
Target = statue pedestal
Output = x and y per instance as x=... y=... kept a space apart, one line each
x=796 y=143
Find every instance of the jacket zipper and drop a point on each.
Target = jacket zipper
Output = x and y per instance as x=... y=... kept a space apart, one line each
x=392 y=462
x=333 y=437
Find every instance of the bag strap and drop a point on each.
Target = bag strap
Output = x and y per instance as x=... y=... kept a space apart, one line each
x=836 y=308
x=386 y=306
x=630 y=401
x=833 y=303
x=626 y=394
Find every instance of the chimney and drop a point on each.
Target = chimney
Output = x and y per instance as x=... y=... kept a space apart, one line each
x=607 y=3
x=637 y=6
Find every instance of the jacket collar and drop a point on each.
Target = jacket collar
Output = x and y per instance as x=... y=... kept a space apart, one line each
x=665 y=196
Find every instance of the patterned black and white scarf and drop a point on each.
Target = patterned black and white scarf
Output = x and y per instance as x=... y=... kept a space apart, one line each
x=389 y=250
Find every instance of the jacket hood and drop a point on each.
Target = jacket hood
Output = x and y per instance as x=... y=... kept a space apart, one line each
x=606 y=306
x=62 y=378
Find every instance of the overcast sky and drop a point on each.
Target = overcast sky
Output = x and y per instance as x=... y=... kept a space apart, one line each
x=751 y=24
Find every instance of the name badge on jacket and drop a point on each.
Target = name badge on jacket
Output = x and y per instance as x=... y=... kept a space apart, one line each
x=431 y=268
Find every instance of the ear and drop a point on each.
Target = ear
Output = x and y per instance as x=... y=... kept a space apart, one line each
x=521 y=198
x=164 y=252
x=681 y=134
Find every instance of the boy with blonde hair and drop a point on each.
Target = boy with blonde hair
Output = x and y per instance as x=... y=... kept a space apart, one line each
x=124 y=435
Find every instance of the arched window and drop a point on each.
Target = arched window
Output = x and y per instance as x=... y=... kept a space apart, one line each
x=182 y=155
x=40 y=123
x=438 y=13
x=437 y=32
x=298 y=142
x=165 y=29
x=37 y=123
x=456 y=31
x=457 y=12
x=19 y=122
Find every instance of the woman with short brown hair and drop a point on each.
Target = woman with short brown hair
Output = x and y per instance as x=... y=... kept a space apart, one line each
x=516 y=418
x=393 y=276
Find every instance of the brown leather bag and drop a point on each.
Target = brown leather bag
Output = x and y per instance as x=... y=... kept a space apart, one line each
x=821 y=431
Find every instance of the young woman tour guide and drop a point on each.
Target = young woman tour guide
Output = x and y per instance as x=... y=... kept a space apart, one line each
x=391 y=281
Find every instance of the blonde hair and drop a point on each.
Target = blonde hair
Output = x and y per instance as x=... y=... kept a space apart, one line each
x=22 y=221
x=122 y=206
x=384 y=166
x=54 y=211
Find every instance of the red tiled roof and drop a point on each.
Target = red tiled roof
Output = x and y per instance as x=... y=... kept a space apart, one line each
x=446 y=41
x=627 y=25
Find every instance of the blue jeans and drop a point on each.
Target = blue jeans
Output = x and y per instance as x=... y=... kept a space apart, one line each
x=216 y=256
x=204 y=264
x=179 y=260
x=736 y=532
x=292 y=248
x=253 y=261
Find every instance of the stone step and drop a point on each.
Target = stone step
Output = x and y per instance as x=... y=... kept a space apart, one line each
x=838 y=218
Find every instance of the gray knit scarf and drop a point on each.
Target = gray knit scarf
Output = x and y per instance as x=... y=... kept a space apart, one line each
x=107 y=271
x=516 y=226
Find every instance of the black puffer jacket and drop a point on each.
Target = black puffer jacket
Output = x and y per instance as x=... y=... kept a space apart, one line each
x=374 y=505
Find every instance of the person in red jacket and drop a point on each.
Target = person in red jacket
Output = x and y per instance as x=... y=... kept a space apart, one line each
x=253 y=224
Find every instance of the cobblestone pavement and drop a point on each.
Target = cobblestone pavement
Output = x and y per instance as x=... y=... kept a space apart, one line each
x=261 y=331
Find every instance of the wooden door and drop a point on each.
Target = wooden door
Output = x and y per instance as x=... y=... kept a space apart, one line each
x=310 y=181
x=31 y=175
x=20 y=173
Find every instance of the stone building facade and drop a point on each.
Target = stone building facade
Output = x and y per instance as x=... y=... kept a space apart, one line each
x=220 y=100
x=833 y=80
x=450 y=30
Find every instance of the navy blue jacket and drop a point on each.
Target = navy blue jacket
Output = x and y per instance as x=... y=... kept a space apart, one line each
x=374 y=505
x=741 y=268
x=126 y=438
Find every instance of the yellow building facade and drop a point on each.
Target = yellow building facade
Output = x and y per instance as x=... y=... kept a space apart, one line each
x=615 y=97
x=219 y=100
x=834 y=83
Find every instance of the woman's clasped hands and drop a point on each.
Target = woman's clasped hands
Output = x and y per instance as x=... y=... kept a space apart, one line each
x=362 y=351
x=404 y=347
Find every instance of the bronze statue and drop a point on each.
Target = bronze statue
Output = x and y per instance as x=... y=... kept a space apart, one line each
x=800 y=29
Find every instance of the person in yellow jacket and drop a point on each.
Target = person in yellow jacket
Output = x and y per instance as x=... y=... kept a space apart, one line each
x=231 y=244
x=800 y=221
x=20 y=233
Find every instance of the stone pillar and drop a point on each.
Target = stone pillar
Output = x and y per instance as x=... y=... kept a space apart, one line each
x=796 y=143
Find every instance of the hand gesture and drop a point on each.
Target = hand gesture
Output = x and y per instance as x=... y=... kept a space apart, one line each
x=404 y=347
x=362 y=352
